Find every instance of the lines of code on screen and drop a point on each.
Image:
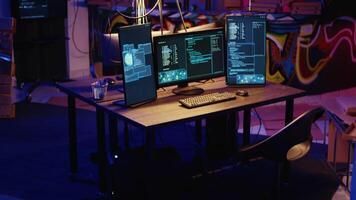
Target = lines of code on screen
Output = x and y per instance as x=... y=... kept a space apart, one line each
x=246 y=44
x=189 y=56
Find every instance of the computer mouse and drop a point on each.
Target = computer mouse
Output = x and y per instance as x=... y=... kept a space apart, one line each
x=243 y=93
x=110 y=81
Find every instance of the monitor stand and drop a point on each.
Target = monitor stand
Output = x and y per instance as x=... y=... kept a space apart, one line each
x=184 y=89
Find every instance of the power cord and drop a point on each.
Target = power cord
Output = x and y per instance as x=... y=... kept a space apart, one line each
x=181 y=15
x=138 y=17
x=260 y=122
x=76 y=10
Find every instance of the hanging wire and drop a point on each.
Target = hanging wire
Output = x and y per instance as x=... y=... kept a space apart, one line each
x=76 y=10
x=160 y=8
x=181 y=15
x=138 y=17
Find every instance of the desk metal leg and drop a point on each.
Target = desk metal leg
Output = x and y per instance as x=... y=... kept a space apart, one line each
x=114 y=138
x=150 y=142
x=335 y=145
x=246 y=127
x=114 y=152
x=149 y=150
x=100 y=125
x=198 y=157
x=126 y=135
x=198 y=131
x=232 y=131
x=289 y=111
x=73 y=151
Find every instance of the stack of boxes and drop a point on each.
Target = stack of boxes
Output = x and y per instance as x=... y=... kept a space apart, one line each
x=7 y=27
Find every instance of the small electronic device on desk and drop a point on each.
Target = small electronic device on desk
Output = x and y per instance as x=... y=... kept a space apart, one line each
x=187 y=57
x=242 y=93
x=137 y=62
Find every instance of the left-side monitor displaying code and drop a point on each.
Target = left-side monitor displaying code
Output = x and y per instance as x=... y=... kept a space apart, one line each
x=137 y=63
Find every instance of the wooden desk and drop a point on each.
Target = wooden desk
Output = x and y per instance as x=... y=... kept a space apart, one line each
x=165 y=110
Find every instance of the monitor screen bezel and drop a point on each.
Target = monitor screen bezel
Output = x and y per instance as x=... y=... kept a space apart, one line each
x=123 y=70
x=226 y=54
x=182 y=82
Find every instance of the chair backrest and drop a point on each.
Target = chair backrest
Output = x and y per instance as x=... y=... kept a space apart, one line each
x=287 y=142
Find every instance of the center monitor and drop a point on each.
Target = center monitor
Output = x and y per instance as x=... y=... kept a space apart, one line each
x=187 y=57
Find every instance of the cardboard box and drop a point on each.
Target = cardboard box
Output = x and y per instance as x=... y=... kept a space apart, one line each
x=6 y=44
x=7 y=111
x=5 y=89
x=5 y=79
x=5 y=99
x=7 y=24
x=5 y=66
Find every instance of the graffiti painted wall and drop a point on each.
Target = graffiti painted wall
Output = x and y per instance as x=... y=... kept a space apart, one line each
x=317 y=55
x=313 y=52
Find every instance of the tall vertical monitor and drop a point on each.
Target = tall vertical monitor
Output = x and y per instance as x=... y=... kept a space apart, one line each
x=137 y=62
x=187 y=57
x=246 y=50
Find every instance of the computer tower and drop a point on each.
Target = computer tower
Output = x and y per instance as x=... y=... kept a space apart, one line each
x=40 y=50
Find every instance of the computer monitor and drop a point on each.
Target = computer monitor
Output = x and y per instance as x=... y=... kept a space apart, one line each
x=186 y=57
x=137 y=62
x=246 y=50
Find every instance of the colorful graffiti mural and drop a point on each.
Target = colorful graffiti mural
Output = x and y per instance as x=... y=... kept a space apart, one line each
x=299 y=58
x=304 y=51
x=328 y=39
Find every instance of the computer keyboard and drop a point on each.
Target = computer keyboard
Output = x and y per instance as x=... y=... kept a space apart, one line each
x=207 y=99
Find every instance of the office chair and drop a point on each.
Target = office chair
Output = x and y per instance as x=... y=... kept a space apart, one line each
x=289 y=144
